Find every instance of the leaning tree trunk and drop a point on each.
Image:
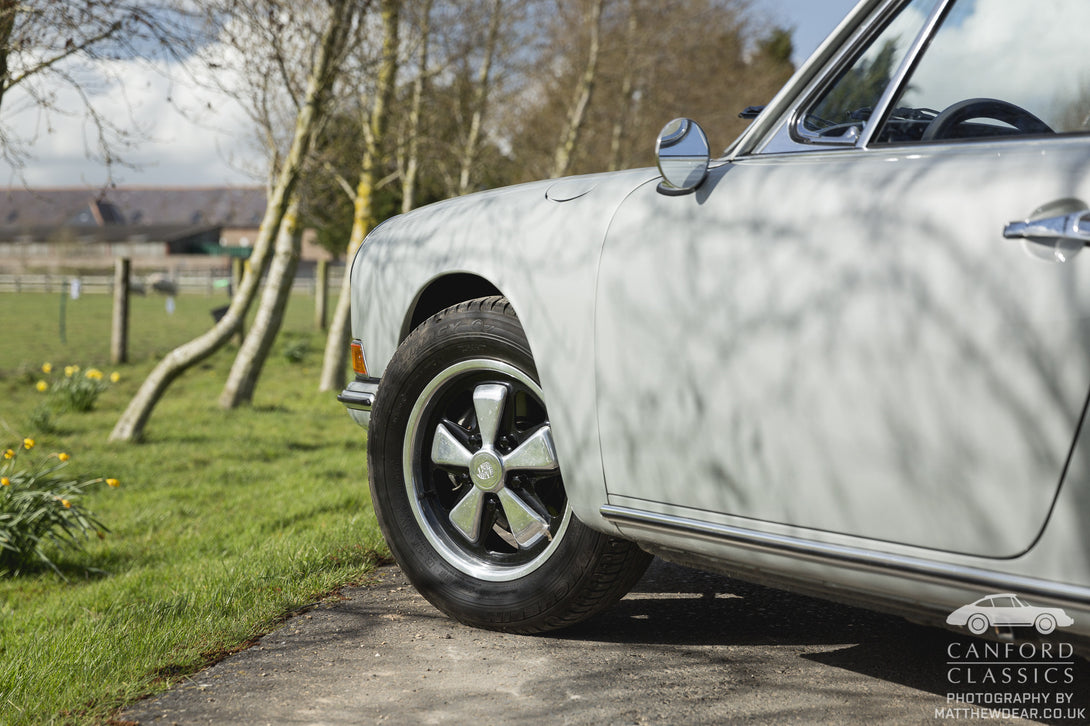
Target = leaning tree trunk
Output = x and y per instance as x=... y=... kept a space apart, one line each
x=334 y=366
x=130 y=427
x=251 y=357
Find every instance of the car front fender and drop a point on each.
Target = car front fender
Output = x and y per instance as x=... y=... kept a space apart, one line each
x=539 y=245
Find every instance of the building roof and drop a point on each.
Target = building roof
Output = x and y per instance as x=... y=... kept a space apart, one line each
x=132 y=206
x=85 y=233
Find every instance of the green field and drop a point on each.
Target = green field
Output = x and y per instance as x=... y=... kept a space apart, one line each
x=224 y=523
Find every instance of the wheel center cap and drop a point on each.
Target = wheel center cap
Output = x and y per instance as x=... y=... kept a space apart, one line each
x=486 y=471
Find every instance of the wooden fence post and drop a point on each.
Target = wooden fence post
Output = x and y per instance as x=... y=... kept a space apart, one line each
x=119 y=340
x=321 y=295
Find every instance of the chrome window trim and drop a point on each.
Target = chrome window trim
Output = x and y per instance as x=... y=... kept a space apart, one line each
x=783 y=139
x=856 y=558
x=772 y=122
x=893 y=90
x=879 y=112
x=786 y=137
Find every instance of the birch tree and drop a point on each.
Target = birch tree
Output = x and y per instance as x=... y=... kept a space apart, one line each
x=250 y=360
x=600 y=96
x=339 y=22
x=480 y=96
x=409 y=163
x=628 y=81
x=251 y=357
x=584 y=89
x=334 y=365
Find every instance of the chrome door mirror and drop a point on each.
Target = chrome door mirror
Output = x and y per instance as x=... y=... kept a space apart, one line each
x=683 y=155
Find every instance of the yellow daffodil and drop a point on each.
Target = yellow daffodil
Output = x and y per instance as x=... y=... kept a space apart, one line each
x=9 y=454
x=115 y=377
x=42 y=386
x=47 y=368
x=28 y=444
x=94 y=374
x=63 y=456
x=70 y=371
x=67 y=504
x=5 y=482
x=113 y=483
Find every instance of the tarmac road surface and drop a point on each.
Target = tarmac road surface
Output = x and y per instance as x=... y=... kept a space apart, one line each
x=684 y=647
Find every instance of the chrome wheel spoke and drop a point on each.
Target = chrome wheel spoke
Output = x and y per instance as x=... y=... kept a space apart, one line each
x=447 y=450
x=527 y=526
x=488 y=400
x=536 y=453
x=482 y=473
x=466 y=514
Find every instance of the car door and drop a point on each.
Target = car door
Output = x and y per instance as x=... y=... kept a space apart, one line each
x=841 y=330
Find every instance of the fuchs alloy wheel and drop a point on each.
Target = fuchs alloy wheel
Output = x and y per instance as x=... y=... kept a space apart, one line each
x=467 y=485
x=481 y=472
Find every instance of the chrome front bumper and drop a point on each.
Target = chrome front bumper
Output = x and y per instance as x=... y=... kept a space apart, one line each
x=359 y=398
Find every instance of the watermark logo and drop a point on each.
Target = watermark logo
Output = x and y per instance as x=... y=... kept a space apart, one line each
x=1008 y=610
x=1008 y=680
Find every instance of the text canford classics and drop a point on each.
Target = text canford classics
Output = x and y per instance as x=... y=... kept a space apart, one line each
x=848 y=357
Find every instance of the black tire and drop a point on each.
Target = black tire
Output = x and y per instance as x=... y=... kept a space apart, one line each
x=428 y=458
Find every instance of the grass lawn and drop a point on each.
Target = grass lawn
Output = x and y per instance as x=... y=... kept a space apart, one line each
x=225 y=521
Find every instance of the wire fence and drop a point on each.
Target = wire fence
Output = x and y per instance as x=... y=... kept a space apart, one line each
x=207 y=282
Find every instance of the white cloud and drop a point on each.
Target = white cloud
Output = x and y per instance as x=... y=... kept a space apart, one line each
x=1018 y=52
x=189 y=135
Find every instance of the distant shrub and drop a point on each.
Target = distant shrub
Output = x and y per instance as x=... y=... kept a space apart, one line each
x=295 y=349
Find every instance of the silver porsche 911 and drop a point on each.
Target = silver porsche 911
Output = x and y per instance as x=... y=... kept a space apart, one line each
x=849 y=356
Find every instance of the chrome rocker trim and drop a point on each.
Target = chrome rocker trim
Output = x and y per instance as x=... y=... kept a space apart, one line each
x=846 y=556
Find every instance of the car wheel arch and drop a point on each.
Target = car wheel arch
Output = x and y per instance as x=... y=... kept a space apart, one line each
x=444 y=292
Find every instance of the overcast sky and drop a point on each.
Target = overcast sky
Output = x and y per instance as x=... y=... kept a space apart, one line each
x=211 y=147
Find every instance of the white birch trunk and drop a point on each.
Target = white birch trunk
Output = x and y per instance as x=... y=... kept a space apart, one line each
x=569 y=137
x=334 y=363
x=130 y=427
x=480 y=100
x=251 y=357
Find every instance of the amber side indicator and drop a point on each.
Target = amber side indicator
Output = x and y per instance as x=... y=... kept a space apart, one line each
x=358 y=364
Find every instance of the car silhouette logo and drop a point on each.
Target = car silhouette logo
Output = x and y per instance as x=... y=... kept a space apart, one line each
x=1010 y=610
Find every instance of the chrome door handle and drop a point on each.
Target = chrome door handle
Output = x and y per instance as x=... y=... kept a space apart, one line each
x=1074 y=226
x=1056 y=239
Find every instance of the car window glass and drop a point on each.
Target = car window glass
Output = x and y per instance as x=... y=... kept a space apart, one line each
x=1003 y=602
x=998 y=68
x=985 y=603
x=841 y=112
